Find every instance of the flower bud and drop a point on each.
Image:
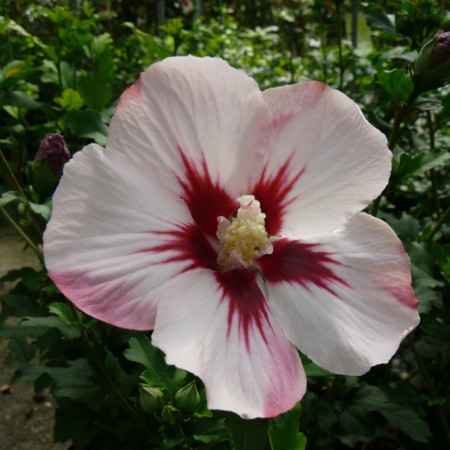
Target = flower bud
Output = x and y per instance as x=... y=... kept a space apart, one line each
x=49 y=162
x=188 y=398
x=432 y=66
x=152 y=399
x=171 y=415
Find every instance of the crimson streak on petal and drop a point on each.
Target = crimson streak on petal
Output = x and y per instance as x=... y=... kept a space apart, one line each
x=187 y=243
x=246 y=302
x=301 y=263
x=205 y=199
x=272 y=192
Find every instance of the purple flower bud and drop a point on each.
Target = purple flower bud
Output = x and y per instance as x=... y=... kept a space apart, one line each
x=54 y=150
x=432 y=66
x=48 y=164
x=441 y=50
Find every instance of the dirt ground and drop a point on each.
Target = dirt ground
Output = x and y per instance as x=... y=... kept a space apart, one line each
x=25 y=423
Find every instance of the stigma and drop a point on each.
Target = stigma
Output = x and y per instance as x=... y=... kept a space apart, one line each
x=243 y=239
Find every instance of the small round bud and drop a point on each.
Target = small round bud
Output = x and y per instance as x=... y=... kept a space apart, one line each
x=171 y=415
x=432 y=66
x=151 y=398
x=49 y=162
x=441 y=50
x=187 y=398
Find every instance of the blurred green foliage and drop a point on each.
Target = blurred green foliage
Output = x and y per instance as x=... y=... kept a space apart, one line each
x=63 y=66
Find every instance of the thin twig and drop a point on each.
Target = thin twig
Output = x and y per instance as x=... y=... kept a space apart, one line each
x=27 y=239
x=393 y=136
x=112 y=388
x=439 y=223
x=430 y=386
x=339 y=39
x=11 y=175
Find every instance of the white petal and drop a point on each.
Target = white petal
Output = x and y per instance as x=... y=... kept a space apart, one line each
x=104 y=244
x=218 y=326
x=348 y=302
x=329 y=160
x=199 y=109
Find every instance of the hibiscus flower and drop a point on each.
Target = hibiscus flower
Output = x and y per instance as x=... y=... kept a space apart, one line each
x=227 y=220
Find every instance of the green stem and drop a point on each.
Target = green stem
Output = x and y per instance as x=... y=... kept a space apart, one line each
x=422 y=368
x=269 y=444
x=27 y=239
x=434 y=183
x=10 y=49
x=430 y=387
x=330 y=397
x=110 y=385
x=439 y=223
x=291 y=68
x=10 y=178
x=324 y=60
x=11 y=181
x=393 y=136
x=58 y=55
x=339 y=39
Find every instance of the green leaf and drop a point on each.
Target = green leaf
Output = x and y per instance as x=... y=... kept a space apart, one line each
x=357 y=426
x=19 y=99
x=38 y=326
x=10 y=197
x=80 y=431
x=74 y=381
x=151 y=42
x=19 y=306
x=314 y=371
x=247 y=434
x=408 y=166
x=424 y=274
x=31 y=279
x=158 y=373
x=399 y=52
x=95 y=85
x=400 y=417
x=407 y=227
x=142 y=351
x=209 y=430
x=376 y=17
x=284 y=434
x=87 y=124
x=42 y=209
x=397 y=83
x=50 y=74
x=70 y=99
x=95 y=90
x=62 y=311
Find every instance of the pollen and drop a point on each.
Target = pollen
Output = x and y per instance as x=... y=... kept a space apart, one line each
x=243 y=238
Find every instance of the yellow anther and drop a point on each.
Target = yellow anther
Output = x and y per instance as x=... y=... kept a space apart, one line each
x=244 y=238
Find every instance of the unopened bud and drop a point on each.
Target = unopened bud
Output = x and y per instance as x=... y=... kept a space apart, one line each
x=152 y=399
x=49 y=162
x=188 y=398
x=441 y=51
x=171 y=415
x=432 y=66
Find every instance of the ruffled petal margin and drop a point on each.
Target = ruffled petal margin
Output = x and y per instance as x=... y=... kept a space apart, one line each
x=192 y=109
x=326 y=162
x=347 y=302
x=218 y=326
